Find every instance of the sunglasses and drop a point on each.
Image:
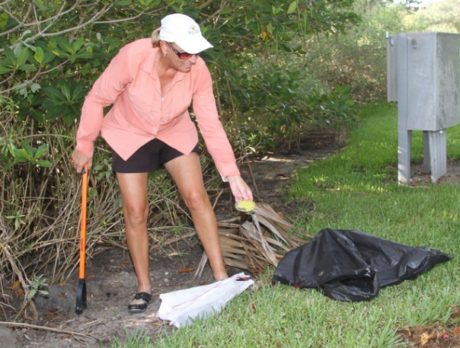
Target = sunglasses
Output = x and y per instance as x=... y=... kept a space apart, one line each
x=181 y=54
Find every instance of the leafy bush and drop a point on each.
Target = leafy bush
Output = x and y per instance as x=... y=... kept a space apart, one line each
x=280 y=104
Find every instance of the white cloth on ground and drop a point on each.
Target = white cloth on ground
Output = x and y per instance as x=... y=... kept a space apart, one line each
x=181 y=307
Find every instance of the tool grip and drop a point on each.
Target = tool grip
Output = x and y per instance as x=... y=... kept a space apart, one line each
x=84 y=195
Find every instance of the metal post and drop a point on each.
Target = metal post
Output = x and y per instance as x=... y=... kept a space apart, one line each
x=438 y=154
x=404 y=154
x=426 y=166
x=404 y=134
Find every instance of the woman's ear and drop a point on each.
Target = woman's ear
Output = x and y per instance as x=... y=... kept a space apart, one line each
x=163 y=48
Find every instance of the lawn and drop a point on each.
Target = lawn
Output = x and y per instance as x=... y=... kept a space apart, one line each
x=353 y=189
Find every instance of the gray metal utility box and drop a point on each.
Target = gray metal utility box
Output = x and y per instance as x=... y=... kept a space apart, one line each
x=424 y=78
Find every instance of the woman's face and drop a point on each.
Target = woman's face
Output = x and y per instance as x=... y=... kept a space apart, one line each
x=179 y=59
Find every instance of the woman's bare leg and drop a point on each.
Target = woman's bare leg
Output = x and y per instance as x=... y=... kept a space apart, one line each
x=186 y=173
x=133 y=187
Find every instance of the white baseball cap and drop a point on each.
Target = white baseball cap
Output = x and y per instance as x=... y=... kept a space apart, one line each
x=183 y=31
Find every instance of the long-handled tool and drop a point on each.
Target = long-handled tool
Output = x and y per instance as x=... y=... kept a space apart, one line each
x=81 y=287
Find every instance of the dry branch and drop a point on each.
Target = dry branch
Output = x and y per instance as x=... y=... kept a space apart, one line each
x=45 y=328
x=259 y=241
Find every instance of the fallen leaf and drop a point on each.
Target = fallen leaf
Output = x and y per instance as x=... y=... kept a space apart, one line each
x=444 y=335
x=425 y=338
x=456 y=331
x=52 y=314
x=17 y=288
x=455 y=313
x=186 y=270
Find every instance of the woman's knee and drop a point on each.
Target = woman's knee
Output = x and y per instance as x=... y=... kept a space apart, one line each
x=136 y=215
x=196 y=199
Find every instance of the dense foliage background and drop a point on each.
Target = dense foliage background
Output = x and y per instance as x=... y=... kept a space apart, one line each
x=284 y=72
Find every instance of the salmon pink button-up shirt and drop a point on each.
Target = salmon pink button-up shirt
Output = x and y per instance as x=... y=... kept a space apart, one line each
x=140 y=112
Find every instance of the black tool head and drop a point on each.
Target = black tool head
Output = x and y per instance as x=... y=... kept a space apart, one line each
x=81 y=296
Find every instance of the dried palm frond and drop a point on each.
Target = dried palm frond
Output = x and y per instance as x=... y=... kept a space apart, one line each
x=261 y=240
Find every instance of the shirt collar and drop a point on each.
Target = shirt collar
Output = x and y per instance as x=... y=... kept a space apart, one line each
x=147 y=66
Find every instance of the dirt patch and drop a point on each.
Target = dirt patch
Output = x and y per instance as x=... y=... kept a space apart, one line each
x=433 y=336
x=111 y=284
x=422 y=177
x=271 y=175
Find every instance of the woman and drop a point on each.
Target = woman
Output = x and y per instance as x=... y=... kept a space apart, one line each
x=150 y=84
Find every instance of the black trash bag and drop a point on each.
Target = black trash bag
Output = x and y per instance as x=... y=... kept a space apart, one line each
x=353 y=266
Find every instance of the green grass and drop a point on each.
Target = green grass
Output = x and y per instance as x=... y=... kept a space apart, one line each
x=354 y=189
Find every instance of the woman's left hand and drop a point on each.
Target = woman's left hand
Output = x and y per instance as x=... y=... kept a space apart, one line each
x=240 y=189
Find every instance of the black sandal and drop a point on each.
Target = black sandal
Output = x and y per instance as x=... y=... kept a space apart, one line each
x=140 y=307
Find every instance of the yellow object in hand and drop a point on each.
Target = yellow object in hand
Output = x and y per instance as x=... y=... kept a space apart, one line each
x=246 y=206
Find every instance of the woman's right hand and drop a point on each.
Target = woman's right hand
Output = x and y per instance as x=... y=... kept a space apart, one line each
x=239 y=188
x=79 y=160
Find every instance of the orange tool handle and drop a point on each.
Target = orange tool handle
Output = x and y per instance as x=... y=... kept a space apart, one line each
x=84 y=195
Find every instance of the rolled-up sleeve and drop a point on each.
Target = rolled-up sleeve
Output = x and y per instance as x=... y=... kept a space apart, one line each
x=104 y=92
x=205 y=109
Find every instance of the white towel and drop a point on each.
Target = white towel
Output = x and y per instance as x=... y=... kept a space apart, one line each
x=181 y=307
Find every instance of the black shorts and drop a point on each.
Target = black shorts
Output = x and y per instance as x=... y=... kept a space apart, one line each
x=148 y=158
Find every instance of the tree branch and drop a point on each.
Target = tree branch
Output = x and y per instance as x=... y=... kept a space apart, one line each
x=20 y=24
x=59 y=14
x=203 y=5
x=4 y=2
x=103 y=11
x=73 y=333
x=111 y=21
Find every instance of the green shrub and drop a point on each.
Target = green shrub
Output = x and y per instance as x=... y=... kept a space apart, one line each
x=281 y=103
